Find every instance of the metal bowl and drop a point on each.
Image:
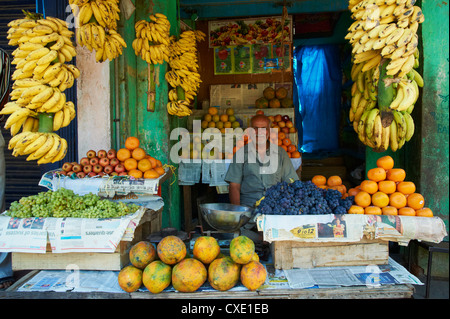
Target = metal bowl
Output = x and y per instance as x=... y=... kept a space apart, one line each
x=226 y=217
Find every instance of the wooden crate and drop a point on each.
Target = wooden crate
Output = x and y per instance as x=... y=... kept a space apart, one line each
x=292 y=254
x=150 y=222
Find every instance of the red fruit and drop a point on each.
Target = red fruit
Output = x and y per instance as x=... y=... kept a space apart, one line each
x=114 y=174
x=101 y=154
x=87 y=168
x=81 y=174
x=77 y=168
x=123 y=174
x=111 y=153
x=108 y=169
x=104 y=161
x=90 y=154
x=67 y=167
x=285 y=118
x=91 y=174
x=114 y=161
x=93 y=161
x=119 y=168
x=97 y=168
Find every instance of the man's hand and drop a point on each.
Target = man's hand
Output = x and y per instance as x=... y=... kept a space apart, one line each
x=235 y=193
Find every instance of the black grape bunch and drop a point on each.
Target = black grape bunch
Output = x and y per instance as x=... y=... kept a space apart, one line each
x=303 y=198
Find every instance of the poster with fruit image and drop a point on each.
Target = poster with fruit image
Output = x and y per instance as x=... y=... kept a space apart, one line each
x=249 y=31
x=223 y=60
x=242 y=59
x=261 y=52
x=283 y=54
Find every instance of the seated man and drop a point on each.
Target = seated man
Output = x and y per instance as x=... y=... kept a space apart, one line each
x=258 y=166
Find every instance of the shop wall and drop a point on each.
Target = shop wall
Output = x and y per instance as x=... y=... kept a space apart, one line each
x=129 y=87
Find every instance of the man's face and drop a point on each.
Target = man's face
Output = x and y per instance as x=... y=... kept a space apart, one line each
x=262 y=130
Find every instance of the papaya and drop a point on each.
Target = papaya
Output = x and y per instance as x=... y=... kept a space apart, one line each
x=188 y=275
x=255 y=257
x=287 y=102
x=269 y=93
x=253 y=275
x=206 y=249
x=281 y=93
x=223 y=273
x=262 y=103
x=142 y=254
x=242 y=249
x=157 y=276
x=130 y=278
x=274 y=103
x=171 y=250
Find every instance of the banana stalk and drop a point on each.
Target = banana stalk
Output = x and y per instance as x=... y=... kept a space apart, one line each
x=45 y=122
x=151 y=93
x=385 y=95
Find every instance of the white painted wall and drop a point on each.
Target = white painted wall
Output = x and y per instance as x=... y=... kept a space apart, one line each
x=93 y=103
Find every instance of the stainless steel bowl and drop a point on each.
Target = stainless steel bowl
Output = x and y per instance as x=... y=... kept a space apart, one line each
x=226 y=217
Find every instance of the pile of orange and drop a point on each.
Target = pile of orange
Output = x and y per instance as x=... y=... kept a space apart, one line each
x=385 y=192
x=137 y=162
x=333 y=182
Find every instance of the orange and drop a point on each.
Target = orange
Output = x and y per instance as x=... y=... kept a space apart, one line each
x=131 y=142
x=369 y=186
x=296 y=154
x=376 y=174
x=130 y=163
x=207 y=117
x=424 y=212
x=380 y=199
x=292 y=148
x=151 y=173
x=397 y=199
x=281 y=135
x=372 y=210
x=385 y=162
x=138 y=153
x=389 y=210
x=407 y=211
x=322 y=186
x=415 y=201
x=354 y=209
x=363 y=199
x=319 y=180
x=153 y=161
x=213 y=110
x=135 y=173
x=158 y=163
x=387 y=187
x=286 y=141
x=284 y=147
x=396 y=174
x=406 y=187
x=280 y=142
x=160 y=170
x=224 y=118
x=122 y=154
x=144 y=165
x=353 y=191
x=334 y=180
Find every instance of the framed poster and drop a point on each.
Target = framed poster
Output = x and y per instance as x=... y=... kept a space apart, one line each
x=223 y=60
x=249 y=31
x=242 y=59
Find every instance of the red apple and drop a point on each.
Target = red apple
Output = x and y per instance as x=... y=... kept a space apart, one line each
x=104 y=161
x=61 y=172
x=97 y=168
x=87 y=168
x=277 y=118
x=93 y=160
x=81 y=174
x=76 y=168
x=101 y=173
x=285 y=118
x=123 y=174
x=92 y=174
x=84 y=161
x=108 y=169
x=73 y=163
x=119 y=168
x=90 y=154
x=71 y=174
x=111 y=153
x=113 y=161
x=292 y=130
x=67 y=167
x=101 y=154
x=289 y=124
x=285 y=130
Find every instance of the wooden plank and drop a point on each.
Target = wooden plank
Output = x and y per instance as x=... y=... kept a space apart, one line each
x=291 y=254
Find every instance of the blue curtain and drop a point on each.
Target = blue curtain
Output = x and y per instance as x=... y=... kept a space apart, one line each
x=317 y=97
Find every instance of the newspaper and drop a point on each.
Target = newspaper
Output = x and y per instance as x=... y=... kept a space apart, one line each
x=29 y=235
x=351 y=227
x=371 y=276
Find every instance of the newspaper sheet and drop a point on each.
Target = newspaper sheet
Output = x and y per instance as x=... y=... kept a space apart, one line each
x=351 y=227
x=29 y=235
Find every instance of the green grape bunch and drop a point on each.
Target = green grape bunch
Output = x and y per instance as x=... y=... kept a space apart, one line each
x=64 y=203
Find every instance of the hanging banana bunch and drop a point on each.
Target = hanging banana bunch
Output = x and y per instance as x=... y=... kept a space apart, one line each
x=97 y=27
x=386 y=85
x=38 y=103
x=183 y=76
x=152 y=39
